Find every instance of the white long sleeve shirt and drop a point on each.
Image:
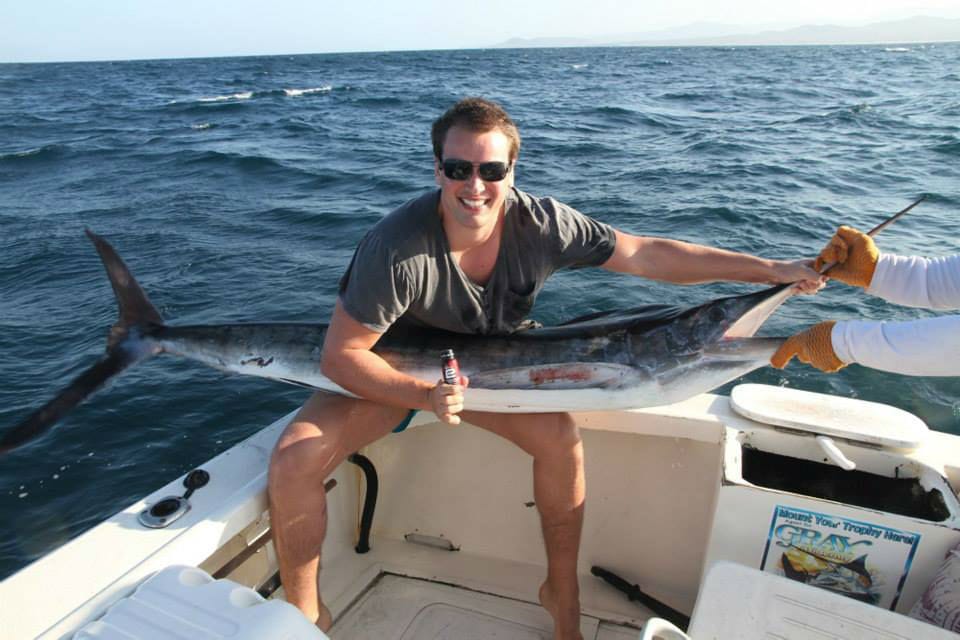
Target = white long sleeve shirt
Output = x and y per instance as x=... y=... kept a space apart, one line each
x=927 y=347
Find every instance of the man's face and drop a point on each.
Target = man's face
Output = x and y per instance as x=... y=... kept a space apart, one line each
x=474 y=203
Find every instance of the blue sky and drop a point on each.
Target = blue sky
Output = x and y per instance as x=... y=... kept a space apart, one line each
x=47 y=30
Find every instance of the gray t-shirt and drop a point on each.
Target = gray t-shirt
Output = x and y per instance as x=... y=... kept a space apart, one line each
x=402 y=270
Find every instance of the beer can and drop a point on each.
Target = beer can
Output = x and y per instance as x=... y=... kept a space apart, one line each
x=449 y=367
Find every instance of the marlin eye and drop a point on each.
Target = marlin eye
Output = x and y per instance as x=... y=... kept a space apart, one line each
x=717 y=314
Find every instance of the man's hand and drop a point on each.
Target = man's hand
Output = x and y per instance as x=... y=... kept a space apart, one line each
x=800 y=272
x=813 y=346
x=856 y=256
x=446 y=400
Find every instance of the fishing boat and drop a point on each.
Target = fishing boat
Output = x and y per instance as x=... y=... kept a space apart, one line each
x=771 y=512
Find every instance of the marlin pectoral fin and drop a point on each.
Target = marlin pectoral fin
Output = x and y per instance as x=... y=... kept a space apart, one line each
x=556 y=377
x=744 y=348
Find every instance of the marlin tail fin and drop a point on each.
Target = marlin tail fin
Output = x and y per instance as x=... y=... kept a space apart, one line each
x=126 y=346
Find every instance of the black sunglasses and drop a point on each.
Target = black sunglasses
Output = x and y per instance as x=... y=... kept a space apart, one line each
x=462 y=170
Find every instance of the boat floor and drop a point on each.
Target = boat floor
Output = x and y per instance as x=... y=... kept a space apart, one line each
x=402 y=608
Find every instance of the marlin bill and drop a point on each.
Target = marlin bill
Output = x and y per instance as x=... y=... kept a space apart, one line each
x=642 y=357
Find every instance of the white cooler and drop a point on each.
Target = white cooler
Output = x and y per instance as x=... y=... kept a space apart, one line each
x=186 y=603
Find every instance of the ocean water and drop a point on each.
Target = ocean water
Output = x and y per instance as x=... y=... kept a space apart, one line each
x=237 y=188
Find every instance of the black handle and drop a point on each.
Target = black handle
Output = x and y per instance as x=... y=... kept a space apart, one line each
x=634 y=594
x=195 y=479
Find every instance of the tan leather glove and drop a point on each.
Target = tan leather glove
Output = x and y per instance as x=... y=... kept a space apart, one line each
x=812 y=346
x=855 y=254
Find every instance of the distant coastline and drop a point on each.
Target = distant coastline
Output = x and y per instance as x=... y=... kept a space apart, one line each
x=897 y=34
x=915 y=30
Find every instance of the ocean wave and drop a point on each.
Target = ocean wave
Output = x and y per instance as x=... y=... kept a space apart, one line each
x=294 y=215
x=293 y=93
x=379 y=102
x=896 y=49
x=584 y=149
x=336 y=225
x=614 y=112
x=951 y=148
x=249 y=163
x=684 y=96
x=710 y=214
x=838 y=115
x=399 y=188
x=244 y=95
x=609 y=116
x=37 y=154
x=720 y=147
x=950 y=111
x=295 y=175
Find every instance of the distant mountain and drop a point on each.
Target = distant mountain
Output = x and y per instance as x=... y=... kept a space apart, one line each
x=916 y=29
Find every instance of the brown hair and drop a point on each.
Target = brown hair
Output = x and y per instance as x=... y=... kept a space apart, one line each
x=479 y=115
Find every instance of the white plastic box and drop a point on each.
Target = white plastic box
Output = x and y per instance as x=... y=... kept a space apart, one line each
x=740 y=603
x=185 y=603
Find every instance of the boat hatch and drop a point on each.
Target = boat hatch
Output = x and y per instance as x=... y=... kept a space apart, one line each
x=849 y=419
x=902 y=496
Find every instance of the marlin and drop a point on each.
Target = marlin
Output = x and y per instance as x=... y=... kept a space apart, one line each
x=647 y=356
x=851 y=579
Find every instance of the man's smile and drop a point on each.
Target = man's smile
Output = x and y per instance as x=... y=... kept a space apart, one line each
x=474 y=203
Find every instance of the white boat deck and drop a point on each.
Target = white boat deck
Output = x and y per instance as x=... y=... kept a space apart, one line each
x=402 y=608
x=668 y=498
x=387 y=592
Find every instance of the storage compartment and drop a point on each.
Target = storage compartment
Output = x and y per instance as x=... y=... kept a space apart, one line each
x=876 y=533
x=901 y=496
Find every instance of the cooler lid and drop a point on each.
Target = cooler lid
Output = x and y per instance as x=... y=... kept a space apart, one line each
x=857 y=420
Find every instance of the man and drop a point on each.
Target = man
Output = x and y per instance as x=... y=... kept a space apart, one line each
x=470 y=257
x=926 y=347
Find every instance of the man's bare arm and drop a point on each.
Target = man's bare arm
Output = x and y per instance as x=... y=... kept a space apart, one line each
x=348 y=361
x=687 y=263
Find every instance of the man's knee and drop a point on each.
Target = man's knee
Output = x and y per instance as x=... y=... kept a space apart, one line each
x=559 y=435
x=325 y=431
x=306 y=453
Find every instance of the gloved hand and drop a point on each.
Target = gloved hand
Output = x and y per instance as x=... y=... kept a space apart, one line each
x=813 y=346
x=856 y=256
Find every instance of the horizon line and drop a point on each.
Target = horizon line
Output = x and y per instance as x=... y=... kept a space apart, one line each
x=499 y=47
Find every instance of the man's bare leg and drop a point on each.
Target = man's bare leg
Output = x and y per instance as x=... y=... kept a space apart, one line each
x=326 y=430
x=559 y=491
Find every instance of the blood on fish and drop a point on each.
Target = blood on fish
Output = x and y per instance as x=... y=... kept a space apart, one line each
x=553 y=374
